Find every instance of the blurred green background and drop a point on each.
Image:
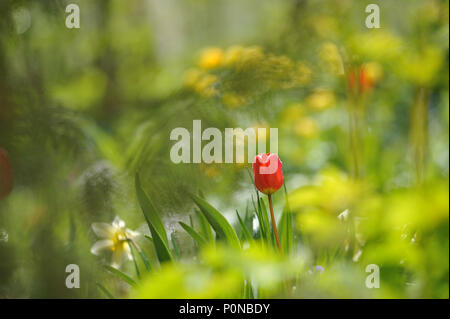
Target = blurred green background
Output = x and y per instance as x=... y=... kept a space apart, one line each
x=362 y=117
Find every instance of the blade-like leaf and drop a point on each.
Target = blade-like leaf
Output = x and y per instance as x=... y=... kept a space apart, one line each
x=248 y=290
x=121 y=275
x=264 y=214
x=141 y=253
x=247 y=235
x=194 y=234
x=105 y=291
x=176 y=249
x=262 y=230
x=205 y=228
x=219 y=223
x=155 y=224
x=136 y=267
x=285 y=228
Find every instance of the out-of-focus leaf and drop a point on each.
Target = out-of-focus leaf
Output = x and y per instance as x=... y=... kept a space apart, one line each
x=155 y=224
x=247 y=235
x=265 y=218
x=136 y=267
x=105 y=291
x=205 y=228
x=285 y=227
x=121 y=275
x=262 y=229
x=176 y=248
x=286 y=233
x=142 y=254
x=220 y=225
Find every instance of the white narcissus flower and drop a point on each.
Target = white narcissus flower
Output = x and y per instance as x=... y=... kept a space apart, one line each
x=114 y=237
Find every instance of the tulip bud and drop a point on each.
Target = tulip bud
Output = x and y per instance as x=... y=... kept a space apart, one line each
x=267 y=172
x=6 y=177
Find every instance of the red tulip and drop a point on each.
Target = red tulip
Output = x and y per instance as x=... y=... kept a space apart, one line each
x=268 y=173
x=359 y=81
x=6 y=177
x=269 y=179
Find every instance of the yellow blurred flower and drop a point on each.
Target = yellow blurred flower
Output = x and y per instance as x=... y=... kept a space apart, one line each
x=209 y=170
x=201 y=82
x=301 y=74
x=291 y=113
x=233 y=100
x=243 y=57
x=192 y=77
x=233 y=55
x=421 y=67
x=329 y=53
x=322 y=228
x=377 y=44
x=205 y=86
x=306 y=127
x=374 y=71
x=321 y=100
x=211 y=58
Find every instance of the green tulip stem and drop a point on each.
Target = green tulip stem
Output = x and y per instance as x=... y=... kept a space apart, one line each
x=274 y=224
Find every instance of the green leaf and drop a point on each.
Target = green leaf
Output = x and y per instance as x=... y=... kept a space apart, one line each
x=176 y=249
x=121 y=275
x=105 y=291
x=248 y=290
x=286 y=232
x=262 y=230
x=194 y=234
x=155 y=224
x=141 y=253
x=219 y=223
x=265 y=216
x=285 y=228
x=136 y=267
x=247 y=235
x=205 y=228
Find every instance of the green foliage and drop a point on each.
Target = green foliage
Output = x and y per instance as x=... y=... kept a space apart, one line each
x=121 y=275
x=195 y=235
x=155 y=224
x=362 y=117
x=223 y=229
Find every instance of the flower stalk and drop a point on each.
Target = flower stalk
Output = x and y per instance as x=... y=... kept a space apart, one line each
x=274 y=224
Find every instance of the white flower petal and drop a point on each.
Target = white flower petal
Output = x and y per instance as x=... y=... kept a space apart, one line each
x=101 y=245
x=103 y=230
x=343 y=216
x=118 y=223
x=131 y=233
x=127 y=252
